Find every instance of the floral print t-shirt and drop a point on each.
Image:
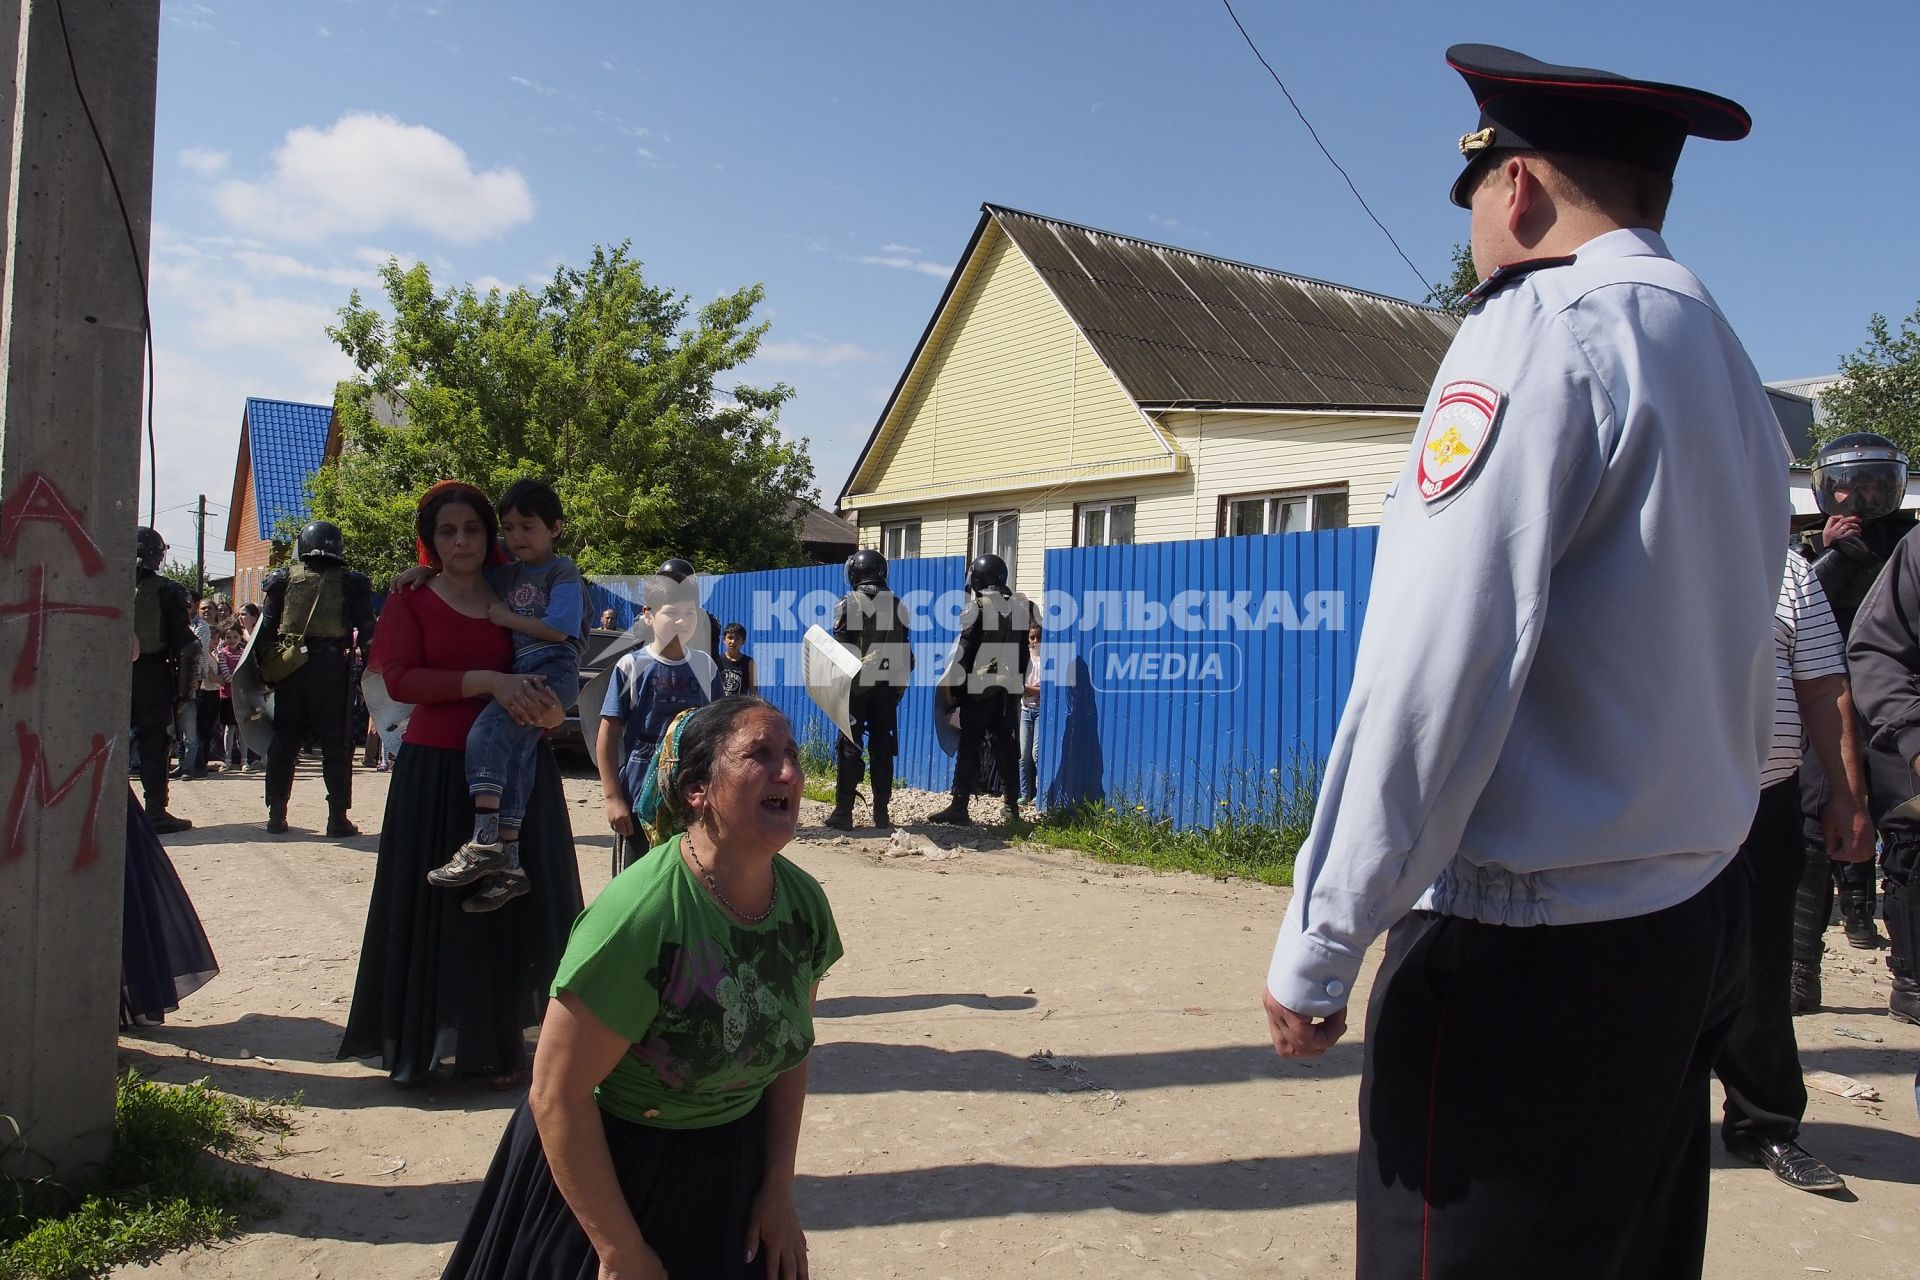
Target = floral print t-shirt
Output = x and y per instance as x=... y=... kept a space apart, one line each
x=713 y=1010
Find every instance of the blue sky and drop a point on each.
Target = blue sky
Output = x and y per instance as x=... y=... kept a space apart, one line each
x=839 y=153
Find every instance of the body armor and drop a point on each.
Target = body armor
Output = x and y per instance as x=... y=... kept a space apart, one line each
x=315 y=606
x=149 y=615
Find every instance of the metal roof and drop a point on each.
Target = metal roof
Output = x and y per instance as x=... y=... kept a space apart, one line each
x=287 y=442
x=1180 y=328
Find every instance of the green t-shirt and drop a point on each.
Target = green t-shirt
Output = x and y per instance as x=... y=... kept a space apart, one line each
x=712 y=1009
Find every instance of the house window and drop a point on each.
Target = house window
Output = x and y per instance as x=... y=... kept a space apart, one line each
x=1104 y=524
x=1290 y=511
x=996 y=532
x=900 y=539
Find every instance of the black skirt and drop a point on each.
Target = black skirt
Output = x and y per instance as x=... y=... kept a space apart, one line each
x=443 y=988
x=164 y=953
x=691 y=1191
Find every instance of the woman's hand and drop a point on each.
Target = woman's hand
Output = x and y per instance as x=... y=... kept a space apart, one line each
x=774 y=1235
x=526 y=698
x=619 y=815
x=498 y=613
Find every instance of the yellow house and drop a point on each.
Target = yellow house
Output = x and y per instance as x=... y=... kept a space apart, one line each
x=1077 y=387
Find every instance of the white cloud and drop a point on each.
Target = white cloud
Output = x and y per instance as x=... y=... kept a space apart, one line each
x=902 y=263
x=282 y=266
x=194 y=17
x=643 y=153
x=323 y=33
x=366 y=172
x=606 y=64
x=535 y=85
x=204 y=161
x=813 y=351
x=906 y=249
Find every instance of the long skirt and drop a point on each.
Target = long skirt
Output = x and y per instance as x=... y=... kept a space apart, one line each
x=691 y=1191
x=164 y=953
x=444 y=988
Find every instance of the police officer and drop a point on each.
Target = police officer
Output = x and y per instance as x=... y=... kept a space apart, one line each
x=166 y=649
x=325 y=605
x=985 y=681
x=1561 y=701
x=871 y=621
x=1859 y=481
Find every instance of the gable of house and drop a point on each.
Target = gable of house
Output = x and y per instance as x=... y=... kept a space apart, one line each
x=282 y=443
x=1004 y=393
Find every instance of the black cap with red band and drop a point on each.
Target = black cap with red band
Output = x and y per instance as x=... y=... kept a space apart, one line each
x=1529 y=105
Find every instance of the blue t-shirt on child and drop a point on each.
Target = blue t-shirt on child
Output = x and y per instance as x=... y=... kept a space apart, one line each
x=647 y=691
x=551 y=592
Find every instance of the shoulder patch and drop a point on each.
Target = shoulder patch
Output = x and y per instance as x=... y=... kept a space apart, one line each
x=1457 y=436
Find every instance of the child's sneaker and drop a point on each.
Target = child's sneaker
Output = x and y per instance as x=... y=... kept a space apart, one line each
x=469 y=864
x=502 y=887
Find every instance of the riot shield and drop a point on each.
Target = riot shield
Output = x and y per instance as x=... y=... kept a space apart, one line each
x=252 y=700
x=829 y=671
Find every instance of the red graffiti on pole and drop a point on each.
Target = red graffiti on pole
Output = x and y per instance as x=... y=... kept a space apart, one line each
x=36 y=609
x=37 y=778
x=39 y=498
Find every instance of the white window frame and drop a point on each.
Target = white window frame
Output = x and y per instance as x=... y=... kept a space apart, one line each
x=1274 y=500
x=906 y=533
x=1105 y=511
x=997 y=520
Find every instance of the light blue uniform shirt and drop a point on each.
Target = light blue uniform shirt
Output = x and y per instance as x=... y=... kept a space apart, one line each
x=1564 y=693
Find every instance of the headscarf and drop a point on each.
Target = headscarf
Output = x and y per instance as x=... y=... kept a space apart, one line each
x=497 y=555
x=659 y=810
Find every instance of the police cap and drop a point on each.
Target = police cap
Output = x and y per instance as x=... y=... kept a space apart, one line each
x=1529 y=105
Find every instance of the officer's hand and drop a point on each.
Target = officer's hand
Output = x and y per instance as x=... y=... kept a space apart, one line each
x=1296 y=1035
x=1838 y=527
x=1849 y=831
x=619 y=815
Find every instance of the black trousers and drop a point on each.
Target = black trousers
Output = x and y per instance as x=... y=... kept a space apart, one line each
x=312 y=702
x=992 y=719
x=1534 y=1100
x=153 y=690
x=876 y=728
x=1760 y=1065
x=206 y=724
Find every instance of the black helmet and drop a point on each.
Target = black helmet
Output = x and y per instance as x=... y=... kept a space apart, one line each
x=149 y=548
x=1859 y=474
x=321 y=540
x=676 y=568
x=987 y=570
x=866 y=568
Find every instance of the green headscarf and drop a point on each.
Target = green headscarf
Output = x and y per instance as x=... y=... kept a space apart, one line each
x=658 y=811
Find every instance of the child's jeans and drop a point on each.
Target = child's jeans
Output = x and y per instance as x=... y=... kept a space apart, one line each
x=500 y=753
x=1029 y=751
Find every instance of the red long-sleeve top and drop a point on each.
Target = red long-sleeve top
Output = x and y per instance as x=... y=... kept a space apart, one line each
x=423 y=647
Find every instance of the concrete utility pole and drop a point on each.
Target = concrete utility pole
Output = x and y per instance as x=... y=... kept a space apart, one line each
x=72 y=335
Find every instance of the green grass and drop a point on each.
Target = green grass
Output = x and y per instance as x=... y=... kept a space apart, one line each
x=816 y=761
x=160 y=1188
x=1255 y=836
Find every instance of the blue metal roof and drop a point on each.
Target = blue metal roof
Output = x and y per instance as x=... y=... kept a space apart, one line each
x=288 y=442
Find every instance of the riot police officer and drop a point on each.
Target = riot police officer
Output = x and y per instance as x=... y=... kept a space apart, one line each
x=985 y=680
x=1859 y=481
x=323 y=606
x=871 y=621
x=165 y=642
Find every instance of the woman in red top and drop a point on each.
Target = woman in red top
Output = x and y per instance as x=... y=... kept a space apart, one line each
x=441 y=988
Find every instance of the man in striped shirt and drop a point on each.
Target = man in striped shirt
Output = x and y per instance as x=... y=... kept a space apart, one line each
x=1760 y=1065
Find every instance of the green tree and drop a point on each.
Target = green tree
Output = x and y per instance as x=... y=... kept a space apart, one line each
x=182 y=572
x=1879 y=387
x=600 y=383
x=1451 y=294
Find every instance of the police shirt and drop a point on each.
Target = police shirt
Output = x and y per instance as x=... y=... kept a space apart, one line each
x=1807 y=646
x=1563 y=695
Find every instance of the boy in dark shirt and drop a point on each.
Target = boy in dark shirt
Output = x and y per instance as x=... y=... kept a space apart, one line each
x=736 y=667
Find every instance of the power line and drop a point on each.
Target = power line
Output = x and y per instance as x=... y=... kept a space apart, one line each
x=1323 y=147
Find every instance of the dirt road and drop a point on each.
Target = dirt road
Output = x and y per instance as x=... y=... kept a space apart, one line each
x=1029 y=1064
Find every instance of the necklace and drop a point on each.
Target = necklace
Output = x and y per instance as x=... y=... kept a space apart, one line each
x=713 y=887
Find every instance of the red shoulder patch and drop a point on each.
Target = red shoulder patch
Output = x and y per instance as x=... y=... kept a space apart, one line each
x=1458 y=434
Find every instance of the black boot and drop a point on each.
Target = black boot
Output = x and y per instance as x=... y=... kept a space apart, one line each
x=1903 y=930
x=165 y=824
x=1812 y=905
x=1856 y=904
x=276 y=820
x=340 y=826
x=955 y=814
x=880 y=769
x=848 y=768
